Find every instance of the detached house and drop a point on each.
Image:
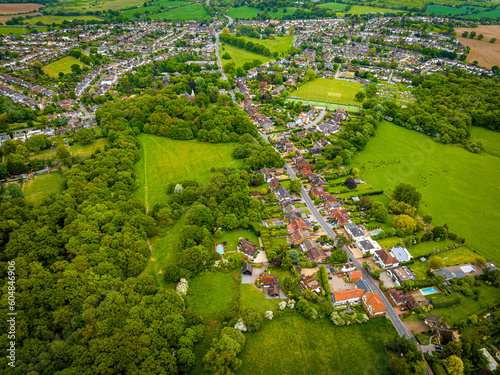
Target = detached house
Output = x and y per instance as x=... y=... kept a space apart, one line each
x=310 y=283
x=351 y=296
x=317 y=255
x=373 y=304
x=247 y=247
x=271 y=284
x=384 y=259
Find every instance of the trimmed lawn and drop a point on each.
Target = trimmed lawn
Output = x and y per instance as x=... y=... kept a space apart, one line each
x=240 y=56
x=252 y=297
x=447 y=176
x=232 y=238
x=164 y=160
x=155 y=8
x=44 y=184
x=284 y=346
x=361 y=9
x=75 y=149
x=418 y=250
x=63 y=65
x=189 y=12
x=280 y=44
x=49 y=20
x=488 y=295
x=210 y=293
x=490 y=138
x=328 y=90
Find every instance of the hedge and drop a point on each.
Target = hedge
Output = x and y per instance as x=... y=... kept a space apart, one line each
x=374 y=192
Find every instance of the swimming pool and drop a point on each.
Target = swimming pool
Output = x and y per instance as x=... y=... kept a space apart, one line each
x=220 y=249
x=278 y=223
x=375 y=233
x=428 y=290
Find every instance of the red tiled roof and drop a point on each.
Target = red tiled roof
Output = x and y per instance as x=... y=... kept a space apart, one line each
x=344 y=295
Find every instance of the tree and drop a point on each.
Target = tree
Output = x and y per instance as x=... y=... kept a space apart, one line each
x=472 y=35
x=465 y=34
x=493 y=40
x=436 y=263
x=480 y=261
x=310 y=75
x=76 y=69
x=439 y=233
x=63 y=154
x=288 y=283
x=253 y=318
x=408 y=194
x=454 y=365
x=399 y=208
x=360 y=96
x=350 y=183
x=480 y=36
x=294 y=255
x=399 y=366
x=365 y=202
x=405 y=223
x=379 y=211
x=84 y=136
x=355 y=172
x=226 y=56
x=295 y=185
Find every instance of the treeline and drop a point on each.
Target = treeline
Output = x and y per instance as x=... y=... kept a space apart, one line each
x=249 y=46
x=11 y=112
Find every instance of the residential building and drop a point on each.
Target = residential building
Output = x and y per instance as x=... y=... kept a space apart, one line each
x=373 y=304
x=384 y=259
x=401 y=254
x=351 y=296
x=311 y=283
x=317 y=255
x=247 y=247
x=354 y=276
x=439 y=326
x=400 y=274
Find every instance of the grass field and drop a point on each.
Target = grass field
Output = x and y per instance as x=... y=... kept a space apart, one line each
x=446 y=175
x=96 y=5
x=252 y=297
x=210 y=293
x=328 y=90
x=44 y=184
x=491 y=139
x=333 y=6
x=468 y=306
x=361 y=9
x=164 y=160
x=329 y=106
x=454 y=257
x=232 y=238
x=440 y=9
x=495 y=13
x=19 y=30
x=75 y=149
x=284 y=346
x=63 y=65
x=246 y=12
x=240 y=56
x=155 y=8
x=49 y=20
x=423 y=248
x=280 y=44
x=189 y=12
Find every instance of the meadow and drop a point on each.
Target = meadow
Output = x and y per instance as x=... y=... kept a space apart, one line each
x=284 y=346
x=95 y=5
x=280 y=44
x=210 y=293
x=361 y=9
x=494 y=13
x=42 y=185
x=490 y=138
x=328 y=90
x=188 y=12
x=441 y=9
x=75 y=149
x=49 y=20
x=19 y=30
x=164 y=160
x=458 y=188
x=62 y=65
x=240 y=56
x=247 y=13
x=333 y=6
x=151 y=9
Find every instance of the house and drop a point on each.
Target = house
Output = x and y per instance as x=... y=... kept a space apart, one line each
x=311 y=283
x=401 y=254
x=367 y=244
x=340 y=216
x=3 y=138
x=298 y=237
x=283 y=194
x=307 y=245
x=267 y=280
x=354 y=231
x=247 y=247
x=492 y=364
x=439 y=326
x=348 y=267
x=246 y=269
x=296 y=225
x=274 y=183
x=373 y=304
x=354 y=276
x=400 y=299
x=400 y=275
x=317 y=255
x=384 y=259
x=351 y=296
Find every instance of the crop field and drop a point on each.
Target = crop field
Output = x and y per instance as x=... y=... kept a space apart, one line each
x=494 y=13
x=155 y=8
x=11 y=8
x=240 y=56
x=189 y=12
x=87 y=5
x=280 y=44
x=487 y=54
x=164 y=160
x=328 y=90
x=456 y=185
x=49 y=20
x=284 y=345
x=19 y=30
x=247 y=13
x=63 y=65
x=41 y=185
x=333 y=6
x=361 y=9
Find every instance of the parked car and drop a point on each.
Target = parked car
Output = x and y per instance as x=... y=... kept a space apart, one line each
x=404 y=308
x=439 y=348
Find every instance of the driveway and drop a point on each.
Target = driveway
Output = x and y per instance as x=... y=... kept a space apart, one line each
x=388 y=282
x=246 y=279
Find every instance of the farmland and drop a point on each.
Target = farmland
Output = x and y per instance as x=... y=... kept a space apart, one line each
x=19 y=30
x=446 y=176
x=87 y=5
x=49 y=20
x=486 y=54
x=63 y=65
x=19 y=8
x=240 y=56
x=188 y=12
x=152 y=9
x=283 y=344
x=42 y=185
x=444 y=10
x=280 y=44
x=164 y=160
x=361 y=9
x=246 y=12
x=490 y=138
x=328 y=90
x=333 y=6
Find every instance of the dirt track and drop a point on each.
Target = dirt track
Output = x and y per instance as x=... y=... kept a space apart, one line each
x=487 y=54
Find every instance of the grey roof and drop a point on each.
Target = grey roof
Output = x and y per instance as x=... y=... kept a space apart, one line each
x=400 y=253
x=367 y=245
x=361 y=284
x=355 y=230
x=447 y=274
x=459 y=274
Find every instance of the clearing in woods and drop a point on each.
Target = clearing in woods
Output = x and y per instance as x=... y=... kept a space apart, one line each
x=485 y=53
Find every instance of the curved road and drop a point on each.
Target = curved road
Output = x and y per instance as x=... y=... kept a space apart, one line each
x=218 y=58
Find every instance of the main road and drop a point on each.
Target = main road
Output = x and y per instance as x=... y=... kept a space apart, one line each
x=218 y=59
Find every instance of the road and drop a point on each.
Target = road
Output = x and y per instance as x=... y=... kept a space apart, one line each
x=223 y=75
x=318 y=119
x=86 y=114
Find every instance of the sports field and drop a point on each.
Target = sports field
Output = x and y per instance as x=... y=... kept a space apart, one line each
x=19 y=30
x=63 y=65
x=240 y=56
x=283 y=346
x=458 y=188
x=189 y=12
x=280 y=44
x=41 y=185
x=164 y=160
x=328 y=90
x=155 y=8
x=49 y=20
x=361 y=9
x=247 y=13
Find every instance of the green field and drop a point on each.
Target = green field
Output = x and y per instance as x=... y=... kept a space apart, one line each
x=423 y=248
x=495 y=13
x=458 y=188
x=63 y=65
x=44 y=184
x=333 y=6
x=155 y=8
x=491 y=139
x=328 y=90
x=210 y=293
x=361 y=9
x=247 y=13
x=49 y=20
x=86 y=5
x=19 y=30
x=280 y=44
x=292 y=344
x=454 y=257
x=252 y=297
x=75 y=149
x=329 y=106
x=164 y=160
x=189 y=12
x=440 y=9
x=232 y=238
x=240 y=56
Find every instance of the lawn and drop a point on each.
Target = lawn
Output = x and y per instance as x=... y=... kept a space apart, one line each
x=468 y=306
x=458 y=188
x=246 y=12
x=189 y=12
x=252 y=297
x=280 y=44
x=491 y=139
x=210 y=293
x=361 y=9
x=49 y=20
x=284 y=346
x=75 y=149
x=44 y=184
x=333 y=6
x=329 y=106
x=164 y=160
x=328 y=90
x=240 y=56
x=423 y=248
x=232 y=238
x=19 y=30
x=62 y=65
